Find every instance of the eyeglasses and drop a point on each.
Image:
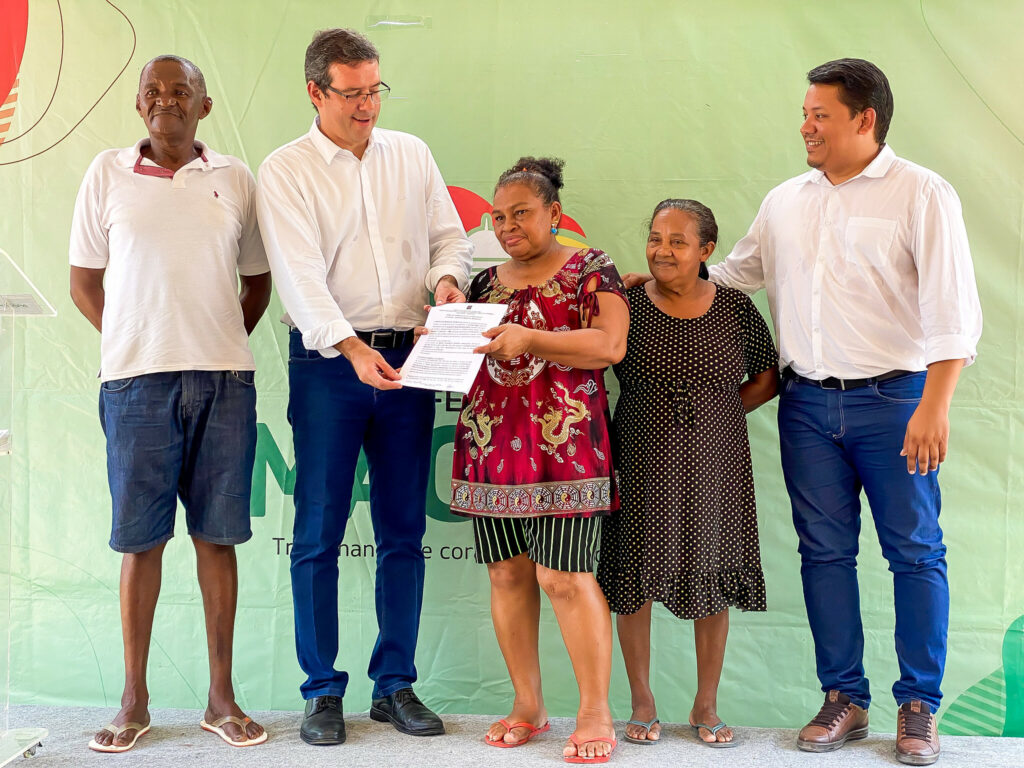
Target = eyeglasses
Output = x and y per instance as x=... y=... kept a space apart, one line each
x=359 y=99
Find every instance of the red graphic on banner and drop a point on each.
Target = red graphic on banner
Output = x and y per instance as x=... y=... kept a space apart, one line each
x=13 y=31
x=473 y=209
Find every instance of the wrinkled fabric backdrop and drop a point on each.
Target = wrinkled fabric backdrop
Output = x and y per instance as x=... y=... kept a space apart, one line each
x=644 y=100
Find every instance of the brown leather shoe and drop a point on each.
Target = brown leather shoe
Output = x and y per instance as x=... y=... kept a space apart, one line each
x=838 y=721
x=917 y=737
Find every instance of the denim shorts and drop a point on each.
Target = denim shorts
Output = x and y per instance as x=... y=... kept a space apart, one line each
x=187 y=434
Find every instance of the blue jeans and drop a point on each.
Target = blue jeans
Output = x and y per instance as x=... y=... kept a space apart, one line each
x=835 y=443
x=188 y=434
x=333 y=415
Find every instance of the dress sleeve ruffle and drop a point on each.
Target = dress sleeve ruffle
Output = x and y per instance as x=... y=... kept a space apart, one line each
x=759 y=352
x=598 y=274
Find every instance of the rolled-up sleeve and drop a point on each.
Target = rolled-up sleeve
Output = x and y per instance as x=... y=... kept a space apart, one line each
x=297 y=264
x=451 y=251
x=947 y=290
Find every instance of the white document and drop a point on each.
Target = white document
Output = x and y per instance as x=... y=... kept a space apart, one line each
x=443 y=359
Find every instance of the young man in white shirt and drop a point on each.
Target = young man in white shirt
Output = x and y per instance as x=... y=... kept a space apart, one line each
x=872 y=292
x=359 y=229
x=162 y=234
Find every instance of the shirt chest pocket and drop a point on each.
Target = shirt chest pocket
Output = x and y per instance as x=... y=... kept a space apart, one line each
x=869 y=241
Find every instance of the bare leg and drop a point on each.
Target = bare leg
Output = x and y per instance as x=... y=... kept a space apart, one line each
x=635 y=641
x=709 y=635
x=218 y=582
x=140 y=587
x=586 y=625
x=515 y=610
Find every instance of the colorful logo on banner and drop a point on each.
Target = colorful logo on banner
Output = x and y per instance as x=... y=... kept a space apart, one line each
x=474 y=211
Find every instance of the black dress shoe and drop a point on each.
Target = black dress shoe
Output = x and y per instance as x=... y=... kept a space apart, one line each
x=407 y=713
x=324 y=723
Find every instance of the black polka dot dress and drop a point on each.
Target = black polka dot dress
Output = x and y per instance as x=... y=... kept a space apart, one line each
x=686 y=533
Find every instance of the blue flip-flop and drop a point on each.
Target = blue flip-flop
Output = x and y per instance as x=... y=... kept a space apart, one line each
x=646 y=725
x=716 y=744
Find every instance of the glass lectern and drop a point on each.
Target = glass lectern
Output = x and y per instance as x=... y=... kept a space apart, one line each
x=19 y=302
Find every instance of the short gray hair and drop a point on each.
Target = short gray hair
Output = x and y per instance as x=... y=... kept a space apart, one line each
x=195 y=74
x=336 y=46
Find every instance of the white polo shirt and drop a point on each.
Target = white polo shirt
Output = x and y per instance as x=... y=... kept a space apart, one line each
x=358 y=244
x=173 y=246
x=864 y=277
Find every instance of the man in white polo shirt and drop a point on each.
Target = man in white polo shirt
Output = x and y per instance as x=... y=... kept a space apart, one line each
x=162 y=234
x=359 y=229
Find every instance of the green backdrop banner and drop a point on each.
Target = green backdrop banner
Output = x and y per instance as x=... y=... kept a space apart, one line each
x=644 y=100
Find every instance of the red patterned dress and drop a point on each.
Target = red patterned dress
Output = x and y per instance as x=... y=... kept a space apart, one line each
x=532 y=438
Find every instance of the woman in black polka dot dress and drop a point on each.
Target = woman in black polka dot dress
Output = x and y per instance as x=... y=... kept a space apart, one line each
x=699 y=357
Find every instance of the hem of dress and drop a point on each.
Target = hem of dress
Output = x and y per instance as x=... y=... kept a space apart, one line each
x=589 y=512
x=553 y=498
x=692 y=595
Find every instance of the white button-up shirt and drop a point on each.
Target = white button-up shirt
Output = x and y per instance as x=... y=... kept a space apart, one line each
x=864 y=277
x=357 y=244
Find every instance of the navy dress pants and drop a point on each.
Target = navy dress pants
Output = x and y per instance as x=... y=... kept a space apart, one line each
x=833 y=445
x=333 y=415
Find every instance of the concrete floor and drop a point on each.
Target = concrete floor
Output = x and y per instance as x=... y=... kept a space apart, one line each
x=176 y=740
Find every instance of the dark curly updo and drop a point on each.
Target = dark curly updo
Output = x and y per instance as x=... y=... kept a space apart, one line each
x=541 y=174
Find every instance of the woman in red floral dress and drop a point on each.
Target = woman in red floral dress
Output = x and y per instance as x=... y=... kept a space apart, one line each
x=533 y=453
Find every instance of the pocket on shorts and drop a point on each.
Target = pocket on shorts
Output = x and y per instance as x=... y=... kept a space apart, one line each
x=869 y=240
x=116 y=385
x=248 y=378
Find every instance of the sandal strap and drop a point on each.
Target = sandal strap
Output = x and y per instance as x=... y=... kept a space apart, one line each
x=523 y=724
x=648 y=725
x=579 y=743
x=240 y=722
x=118 y=730
x=712 y=730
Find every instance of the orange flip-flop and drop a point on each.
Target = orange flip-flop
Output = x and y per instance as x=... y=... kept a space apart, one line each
x=508 y=729
x=580 y=759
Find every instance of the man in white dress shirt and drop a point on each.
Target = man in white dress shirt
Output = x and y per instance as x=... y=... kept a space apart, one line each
x=359 y=229
x=872 y=292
